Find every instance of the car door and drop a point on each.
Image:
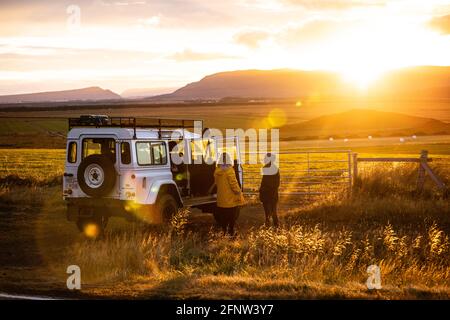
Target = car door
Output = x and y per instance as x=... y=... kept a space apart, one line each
x=231 y=146
x=104 y=145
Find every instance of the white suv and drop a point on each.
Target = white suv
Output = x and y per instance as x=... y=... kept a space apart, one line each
x=126 y=167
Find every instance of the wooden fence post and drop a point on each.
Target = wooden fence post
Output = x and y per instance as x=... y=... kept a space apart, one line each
x=421 y=173
x=355 y=168
x=350 y=176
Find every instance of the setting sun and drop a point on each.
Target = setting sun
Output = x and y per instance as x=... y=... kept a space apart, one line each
x=362 y=79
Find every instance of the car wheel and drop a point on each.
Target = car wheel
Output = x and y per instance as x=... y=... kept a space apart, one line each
x=166 y=207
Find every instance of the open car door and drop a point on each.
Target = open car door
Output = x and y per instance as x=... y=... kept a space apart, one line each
x=231 y=146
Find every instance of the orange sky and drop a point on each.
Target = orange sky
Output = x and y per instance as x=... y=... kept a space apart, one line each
x=164 y=44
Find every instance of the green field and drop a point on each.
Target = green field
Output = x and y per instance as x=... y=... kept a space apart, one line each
x=49 y=128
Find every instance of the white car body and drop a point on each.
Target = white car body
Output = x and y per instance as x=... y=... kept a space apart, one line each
x=137 y=185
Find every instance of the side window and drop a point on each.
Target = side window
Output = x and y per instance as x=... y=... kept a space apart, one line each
x=103 y=146
x=177 y=152
x=203 y=151
x=144 y=156
x=149 y=153
x=197 y=151
x=210 y=151
x=72 y=152
x=159 y=153
x=125 y=153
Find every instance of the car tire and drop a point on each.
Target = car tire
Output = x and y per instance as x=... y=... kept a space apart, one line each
x=166 y=207
x=96 y=175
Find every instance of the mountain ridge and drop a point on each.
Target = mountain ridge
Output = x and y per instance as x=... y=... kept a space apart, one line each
x=412 y=82
x=420 y=81
x=93 y=93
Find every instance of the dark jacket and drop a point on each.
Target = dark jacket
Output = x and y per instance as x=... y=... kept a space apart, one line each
x=268 y=192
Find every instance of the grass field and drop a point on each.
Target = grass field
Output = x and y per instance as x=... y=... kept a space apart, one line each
x=40 y=165
x=322 y=250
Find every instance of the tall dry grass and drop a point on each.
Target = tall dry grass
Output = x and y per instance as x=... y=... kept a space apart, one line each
x=328 y=241
x=331 y=240
x=305 y=253
x=386 y=179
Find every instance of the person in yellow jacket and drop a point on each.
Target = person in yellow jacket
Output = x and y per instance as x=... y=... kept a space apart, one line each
x=229 y=194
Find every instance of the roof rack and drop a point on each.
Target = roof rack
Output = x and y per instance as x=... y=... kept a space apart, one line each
x=101 y=121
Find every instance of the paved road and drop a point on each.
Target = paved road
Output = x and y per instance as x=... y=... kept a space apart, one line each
x=6 y=296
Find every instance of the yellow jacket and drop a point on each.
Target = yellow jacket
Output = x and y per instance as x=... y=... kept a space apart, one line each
x=229 y=193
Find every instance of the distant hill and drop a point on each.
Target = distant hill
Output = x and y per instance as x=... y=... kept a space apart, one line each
x=258 y=84
x=145 y=92
x=416 y=82
x=84 y=94
x=362 y=122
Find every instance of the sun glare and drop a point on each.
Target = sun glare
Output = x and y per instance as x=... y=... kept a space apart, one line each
x=362 y=55
x=361 y=78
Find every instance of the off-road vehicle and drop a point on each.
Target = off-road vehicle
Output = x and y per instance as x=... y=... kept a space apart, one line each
x=124 y=166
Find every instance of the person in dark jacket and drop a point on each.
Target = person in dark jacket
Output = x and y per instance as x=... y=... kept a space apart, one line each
x=268 y=191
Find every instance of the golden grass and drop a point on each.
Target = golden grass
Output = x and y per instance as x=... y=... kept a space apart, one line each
x=294 y=254
x=322 y=250
x=31 y=166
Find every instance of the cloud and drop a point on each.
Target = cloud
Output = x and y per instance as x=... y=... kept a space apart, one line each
x=314 y=30
x=48 y=17
x=251 y=38
x=297 y=34
x=441 y=24
x=189 y=55
x=30 y=58
x=153 y=21
x=335 y=4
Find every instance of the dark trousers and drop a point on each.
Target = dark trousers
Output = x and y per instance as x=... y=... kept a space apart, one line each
x=270 y=209
x=226 y=217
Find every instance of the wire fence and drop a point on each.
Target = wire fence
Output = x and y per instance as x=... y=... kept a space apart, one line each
x=305 y=173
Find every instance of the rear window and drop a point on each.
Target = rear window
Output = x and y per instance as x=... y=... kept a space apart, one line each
x=72 y=152
x=103 y=146
x=151 y=153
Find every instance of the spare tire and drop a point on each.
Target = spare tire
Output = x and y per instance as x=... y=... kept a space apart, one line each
x=96 y=175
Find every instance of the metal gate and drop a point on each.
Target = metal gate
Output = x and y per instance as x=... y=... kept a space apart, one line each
x=306 y=173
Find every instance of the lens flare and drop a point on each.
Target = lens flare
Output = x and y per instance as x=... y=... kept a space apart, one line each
x=277 y=118
x=91 y=230
x=180 y=176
